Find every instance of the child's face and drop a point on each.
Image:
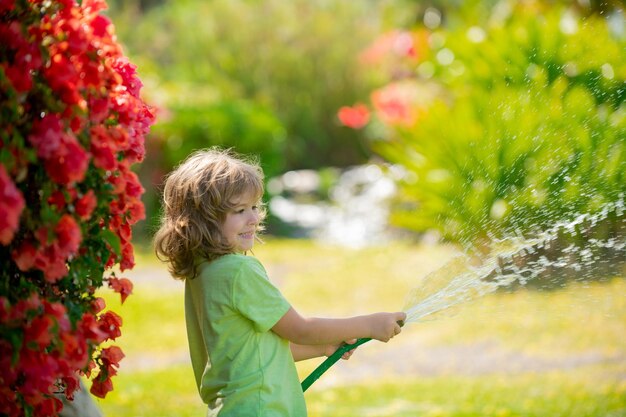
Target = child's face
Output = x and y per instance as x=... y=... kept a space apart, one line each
x=241 y=221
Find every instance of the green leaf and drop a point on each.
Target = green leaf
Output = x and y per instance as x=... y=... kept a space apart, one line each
x=113 y=240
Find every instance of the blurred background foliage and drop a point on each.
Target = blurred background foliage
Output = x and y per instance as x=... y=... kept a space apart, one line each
x=517 y=123
x=518 y=105
x=264 y=77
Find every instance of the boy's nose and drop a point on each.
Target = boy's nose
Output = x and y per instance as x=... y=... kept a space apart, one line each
x=254 y=218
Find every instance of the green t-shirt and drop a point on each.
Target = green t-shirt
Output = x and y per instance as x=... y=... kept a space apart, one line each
x=241 y=367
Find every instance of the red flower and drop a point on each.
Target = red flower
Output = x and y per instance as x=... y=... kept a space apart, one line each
x=98 y=110
x=38 y=373
x=71 y=383
x=133 y=186
x=69 y=163
x=4 y=309
x=24 y=256
x=18 y=312
x=102 y=148
x=128 y=258
x=137 y=211
x=51 y=261
x=100 y=24
x=59 y=313
x=121 y=227
x=46 y=135
x=20 y=79
x=112 y=355
x=123 y=286
x=100 y=388
x=118 y=182
x=110 y=324
x=355 y=117
x=90 y=328
x=75 y=350
x=7 y=5
x=98 y=305
x=61 y=75
x=11 y=206
x=57 y=200
x=69 y=236
x=85 y=205
x=26 y=57
x=49 y=406
x=38 y=332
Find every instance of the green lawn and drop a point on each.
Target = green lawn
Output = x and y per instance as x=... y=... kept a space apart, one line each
x=582 y=328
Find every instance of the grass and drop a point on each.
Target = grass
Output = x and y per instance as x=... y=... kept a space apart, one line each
x=582 y=321
x=548 y=394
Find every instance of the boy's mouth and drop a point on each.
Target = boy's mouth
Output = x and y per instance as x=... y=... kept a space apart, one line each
x=247 y=235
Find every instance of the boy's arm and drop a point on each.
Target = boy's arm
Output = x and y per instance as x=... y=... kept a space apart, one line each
x=321 y=331
x=303 y=352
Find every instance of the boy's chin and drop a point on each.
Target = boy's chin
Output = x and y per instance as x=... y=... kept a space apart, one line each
x=244 y=248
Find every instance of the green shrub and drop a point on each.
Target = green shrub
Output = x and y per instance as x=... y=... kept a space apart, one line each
x=517 y=125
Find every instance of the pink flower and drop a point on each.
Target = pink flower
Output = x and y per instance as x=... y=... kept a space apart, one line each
x=355 y=117
x=129 y=75
x=396 y=104
x=396 y=43
x=11 y=206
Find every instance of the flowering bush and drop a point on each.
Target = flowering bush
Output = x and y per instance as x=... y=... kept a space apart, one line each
x=72 y=124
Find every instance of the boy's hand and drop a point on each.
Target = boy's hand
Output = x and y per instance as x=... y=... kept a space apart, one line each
x=384 y=326
x=330 y=349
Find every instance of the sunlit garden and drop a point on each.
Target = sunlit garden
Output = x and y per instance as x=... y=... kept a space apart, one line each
x=463 y=162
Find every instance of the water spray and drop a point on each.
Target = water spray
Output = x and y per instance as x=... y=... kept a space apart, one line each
x=514 y=260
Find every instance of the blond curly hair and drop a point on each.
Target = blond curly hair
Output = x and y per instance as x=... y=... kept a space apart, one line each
x=196 y=197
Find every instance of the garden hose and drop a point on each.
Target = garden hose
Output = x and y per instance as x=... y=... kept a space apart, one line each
x=330 y=361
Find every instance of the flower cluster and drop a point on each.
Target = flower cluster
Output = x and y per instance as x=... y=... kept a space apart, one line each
x=72 y=125
x=401 y=102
